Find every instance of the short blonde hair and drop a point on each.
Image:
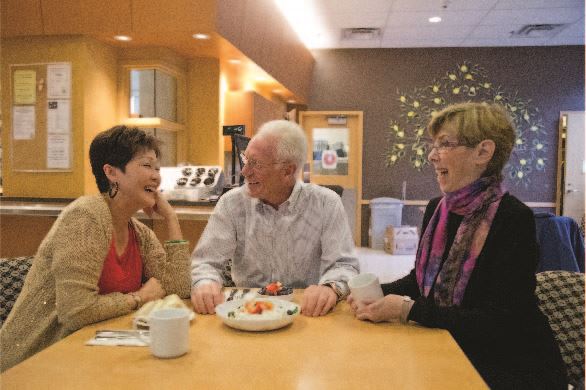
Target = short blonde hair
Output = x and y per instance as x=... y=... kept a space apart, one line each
x=476 y=122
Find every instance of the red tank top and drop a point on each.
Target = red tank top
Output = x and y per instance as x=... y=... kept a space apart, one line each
x=122 y=273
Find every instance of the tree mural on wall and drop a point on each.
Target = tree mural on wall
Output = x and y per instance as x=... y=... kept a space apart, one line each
x=408 y=138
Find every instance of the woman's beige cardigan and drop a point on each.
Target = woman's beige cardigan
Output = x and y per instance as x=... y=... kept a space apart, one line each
x=60 y=294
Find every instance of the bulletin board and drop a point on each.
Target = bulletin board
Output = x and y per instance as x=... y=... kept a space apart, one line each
x=41 y=135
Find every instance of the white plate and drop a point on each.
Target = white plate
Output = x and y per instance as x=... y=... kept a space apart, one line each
x=259 y=323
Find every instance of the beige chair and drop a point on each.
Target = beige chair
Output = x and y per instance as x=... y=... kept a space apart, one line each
x=13 y=271
x=560 y=295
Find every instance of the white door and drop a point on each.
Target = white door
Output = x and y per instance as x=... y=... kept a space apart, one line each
x=574 y=166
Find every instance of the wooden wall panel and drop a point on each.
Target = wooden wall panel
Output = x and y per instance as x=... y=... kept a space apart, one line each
x=21 y=17
x=21 y=235
x=203 y=112
x=100 y=91
x=263 y=35
x=191 y=16
x=191 y=230
x=62 y=16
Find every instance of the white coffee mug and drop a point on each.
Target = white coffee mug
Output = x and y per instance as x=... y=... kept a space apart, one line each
x=169 y=332
x=365 y=288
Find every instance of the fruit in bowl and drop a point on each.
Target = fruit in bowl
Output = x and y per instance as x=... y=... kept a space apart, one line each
x=277 y=290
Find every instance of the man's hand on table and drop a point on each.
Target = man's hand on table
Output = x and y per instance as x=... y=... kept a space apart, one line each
x=318 y=300
x=206 y=297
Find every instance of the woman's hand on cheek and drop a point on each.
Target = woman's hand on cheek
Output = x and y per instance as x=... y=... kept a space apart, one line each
x=161 y=207
x=387 y=309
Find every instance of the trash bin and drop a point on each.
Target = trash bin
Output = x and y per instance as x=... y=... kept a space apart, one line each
x=383 y=212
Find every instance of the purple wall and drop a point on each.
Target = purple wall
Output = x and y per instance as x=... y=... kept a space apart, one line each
x=369 y=80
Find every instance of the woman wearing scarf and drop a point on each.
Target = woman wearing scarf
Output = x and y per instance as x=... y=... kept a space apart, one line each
x=475 y=268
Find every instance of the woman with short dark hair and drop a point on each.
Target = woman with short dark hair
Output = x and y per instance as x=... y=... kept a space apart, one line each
x=475 y=266
x=97 y=261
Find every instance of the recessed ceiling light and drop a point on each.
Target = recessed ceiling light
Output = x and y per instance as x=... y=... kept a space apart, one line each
x=278 y=91
x=201 y=36
x=435 y=19
x=234 y=61
x=124 y=38
x=291 y=101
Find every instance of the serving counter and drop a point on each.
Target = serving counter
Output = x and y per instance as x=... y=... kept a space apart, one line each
x=26 y=221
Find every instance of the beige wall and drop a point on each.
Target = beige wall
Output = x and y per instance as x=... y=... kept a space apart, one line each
x=204 y=134
x=100 y=90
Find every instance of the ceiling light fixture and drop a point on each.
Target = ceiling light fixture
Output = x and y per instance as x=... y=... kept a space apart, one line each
x=434 y=19
x=234 y=61
x=123 y=38
x=201 y=36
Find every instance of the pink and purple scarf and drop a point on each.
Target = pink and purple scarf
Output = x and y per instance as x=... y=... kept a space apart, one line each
x=478 y=203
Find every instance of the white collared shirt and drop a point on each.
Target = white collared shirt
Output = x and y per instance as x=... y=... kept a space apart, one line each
x=306 y=241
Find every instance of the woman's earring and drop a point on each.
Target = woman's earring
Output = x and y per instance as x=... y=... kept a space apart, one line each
x=113 y=191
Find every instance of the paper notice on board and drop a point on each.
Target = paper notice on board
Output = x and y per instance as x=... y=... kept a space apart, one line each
x=25 y=82
x=58 y=151
x=58 y=81
x=58 y=116
x=23 y=122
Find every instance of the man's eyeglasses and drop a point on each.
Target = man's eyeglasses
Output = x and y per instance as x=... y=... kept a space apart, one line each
x=444 y=145
x=254 y=164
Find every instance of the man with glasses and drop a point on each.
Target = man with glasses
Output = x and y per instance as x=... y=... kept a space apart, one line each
x=276 y=228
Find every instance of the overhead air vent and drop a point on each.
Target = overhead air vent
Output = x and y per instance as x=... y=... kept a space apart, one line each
x=361 y=33
x=538 y=31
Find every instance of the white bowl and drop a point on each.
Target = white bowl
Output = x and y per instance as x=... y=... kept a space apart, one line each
x=256 y=324
x=288 y=297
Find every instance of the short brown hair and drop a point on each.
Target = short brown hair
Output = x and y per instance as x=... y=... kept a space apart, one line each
x=476 y=122
x=117 y=146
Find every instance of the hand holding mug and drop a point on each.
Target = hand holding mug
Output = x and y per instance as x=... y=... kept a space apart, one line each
x=385 y=309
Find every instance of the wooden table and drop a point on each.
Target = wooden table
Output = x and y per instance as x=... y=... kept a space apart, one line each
x=332 y=352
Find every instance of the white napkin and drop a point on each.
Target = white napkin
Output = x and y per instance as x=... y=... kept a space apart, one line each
x=141 y=317
x=253 y=293
x=131 y=338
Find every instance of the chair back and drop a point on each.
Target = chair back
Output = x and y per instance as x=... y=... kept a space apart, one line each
x=13 y=271
x=560 y=296
x=561 y=245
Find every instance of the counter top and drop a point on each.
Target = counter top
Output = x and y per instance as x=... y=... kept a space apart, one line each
x=53 y=207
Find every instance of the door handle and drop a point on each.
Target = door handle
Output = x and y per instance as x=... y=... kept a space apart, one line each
x=571 y=190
